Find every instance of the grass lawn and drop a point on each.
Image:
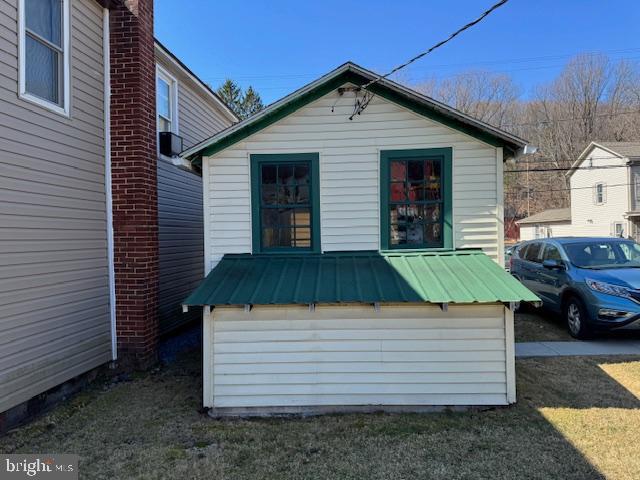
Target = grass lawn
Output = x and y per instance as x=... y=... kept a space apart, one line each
x=534 y=325
x=576 y=418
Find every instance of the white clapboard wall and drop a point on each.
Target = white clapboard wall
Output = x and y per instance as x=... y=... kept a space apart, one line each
x=336 y=355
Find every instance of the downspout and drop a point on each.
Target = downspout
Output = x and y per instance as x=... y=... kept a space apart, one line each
x=107 y=179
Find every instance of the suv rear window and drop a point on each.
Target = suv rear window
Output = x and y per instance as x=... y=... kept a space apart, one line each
x=532 y=252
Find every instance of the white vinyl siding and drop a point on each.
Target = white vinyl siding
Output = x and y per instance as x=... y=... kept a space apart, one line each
x=589 y=217
x=349 y=175
x=528 y=231
x=352 y=355
x=54 y=289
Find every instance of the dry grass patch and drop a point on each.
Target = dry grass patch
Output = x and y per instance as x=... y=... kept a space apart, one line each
x=151 y=428
x=532 y=325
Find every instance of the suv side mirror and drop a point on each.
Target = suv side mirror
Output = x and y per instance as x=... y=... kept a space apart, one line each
x=553 y=265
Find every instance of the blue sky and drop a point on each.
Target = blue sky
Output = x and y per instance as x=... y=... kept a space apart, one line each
x=278 y=46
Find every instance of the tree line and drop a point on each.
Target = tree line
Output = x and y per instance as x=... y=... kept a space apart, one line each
x=592 y=99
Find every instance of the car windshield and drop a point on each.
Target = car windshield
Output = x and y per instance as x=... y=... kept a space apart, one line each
x=599 y=254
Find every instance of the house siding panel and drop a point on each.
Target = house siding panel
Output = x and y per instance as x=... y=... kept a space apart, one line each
x=349 y=175
x=180 y=215
x=53 y=237
x=587 y=218
x=351 y=355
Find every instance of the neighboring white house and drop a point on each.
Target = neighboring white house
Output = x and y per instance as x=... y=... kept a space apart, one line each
x=605 y=184
x=332 y=246
x=555 y=222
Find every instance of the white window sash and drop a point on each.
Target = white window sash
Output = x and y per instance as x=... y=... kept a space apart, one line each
x=64 y=51
x=173 y=100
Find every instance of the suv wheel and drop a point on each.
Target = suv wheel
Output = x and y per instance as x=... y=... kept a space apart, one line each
x=576 y=317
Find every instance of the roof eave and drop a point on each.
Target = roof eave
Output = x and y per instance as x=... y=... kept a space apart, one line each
x=415 y=101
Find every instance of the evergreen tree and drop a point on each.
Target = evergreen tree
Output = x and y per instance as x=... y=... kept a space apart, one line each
x=251 y=103
x=243 y=104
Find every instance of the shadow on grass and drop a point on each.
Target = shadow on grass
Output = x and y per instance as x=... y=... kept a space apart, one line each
x=152 y=428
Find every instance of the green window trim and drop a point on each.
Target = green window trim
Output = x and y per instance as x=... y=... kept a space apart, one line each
x=445 y=155
x=257 y=160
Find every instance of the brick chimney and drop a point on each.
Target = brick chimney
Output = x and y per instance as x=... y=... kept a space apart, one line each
x=134 y=178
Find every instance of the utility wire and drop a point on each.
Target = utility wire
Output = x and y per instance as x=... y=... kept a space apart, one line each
x=361 y=105
x=532 y=124
x=568 y=189
x=597 y=167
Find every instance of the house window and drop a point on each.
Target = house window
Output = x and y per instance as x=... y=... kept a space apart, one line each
x=618 y=229
x=636 y=190
x=166 y=101
x=285 y=202
x=44 y=53
x=538 y=229
x=600 y=193
x=416 y=198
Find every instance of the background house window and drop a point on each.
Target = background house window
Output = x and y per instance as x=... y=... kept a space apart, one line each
x=636 y=190
x=166 y=101
x=285 y=202
x=617 y=229
x=600 y=193
x=414 y=202
x=44 y=63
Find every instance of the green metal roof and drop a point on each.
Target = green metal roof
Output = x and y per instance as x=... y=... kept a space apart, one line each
x=462 y=276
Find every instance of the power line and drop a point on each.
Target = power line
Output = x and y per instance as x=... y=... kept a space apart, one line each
x=597 y=167
x=541 y=122
x=361 y=105
x=569 y=189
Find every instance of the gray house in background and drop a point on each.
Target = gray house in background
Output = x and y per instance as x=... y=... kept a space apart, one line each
x=62 y=315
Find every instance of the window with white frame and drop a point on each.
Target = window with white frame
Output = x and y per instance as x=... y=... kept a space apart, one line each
x=617 y=229
x=44 y=53
x=600 y=193
x=166 y=101
x=636 y=191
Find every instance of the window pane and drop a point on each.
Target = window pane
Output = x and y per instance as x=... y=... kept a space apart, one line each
x=285 y=174
x=302 y=194
x=414 y=213
x=398 y=193
x=42 y=70
x=164 y=125
x=398 y=171
x=163 y=98
x=269 y=174
x=302 y=216
x=286 y=237
x=286 y=195
x=269 y=196
x=398 y=234
x=432 y=191
x=433 y=233
x=301 y=174
x=432 y=213
x=432 y=170
x=269 y=237
x=416 y=172
x=285 y=217
x=269 y=218
x=303 y=237
x=44 y=17
x=415 y=234
x=416 y=192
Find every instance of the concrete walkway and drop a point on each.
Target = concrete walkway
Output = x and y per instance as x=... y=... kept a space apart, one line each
x=566 y=349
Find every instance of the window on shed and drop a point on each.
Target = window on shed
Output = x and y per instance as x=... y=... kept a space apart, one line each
x=416 y=198
x=285 y=202
x=43 y=52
